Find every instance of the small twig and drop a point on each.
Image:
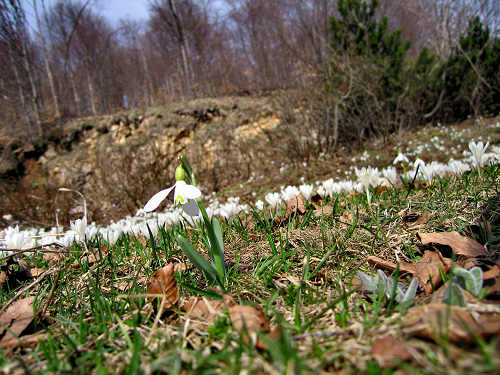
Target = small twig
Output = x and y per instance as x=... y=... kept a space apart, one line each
x=320 y=334
x=51 y=293
x=27 y=287
x=157 y=319
x=35 y=249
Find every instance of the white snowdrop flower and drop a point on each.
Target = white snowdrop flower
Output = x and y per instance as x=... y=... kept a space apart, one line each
x=418 y=162
x=330 y=187
x=213 y=210
x=14 y=239
x=457 y=166
x=184 y=194
x=427 y=172
x=478 y=151
x=321 y=191
x=306 y=190
x=346 y=186
x=229 y=209
x=368 y=176
x=66 y=240
x=390 y=174
x=401 y=158
x=79 y=228
x=289 y=192
x=259 y=205
x=91 y=231
x=273 y=199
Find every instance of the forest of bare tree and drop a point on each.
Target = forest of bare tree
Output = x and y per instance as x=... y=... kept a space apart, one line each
x=68 y=61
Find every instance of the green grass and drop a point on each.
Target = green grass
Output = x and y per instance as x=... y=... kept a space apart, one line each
x=301 y=273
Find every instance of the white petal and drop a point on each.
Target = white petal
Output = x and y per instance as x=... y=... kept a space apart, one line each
x=185 y=192
x=191 y=208
x=156 y=199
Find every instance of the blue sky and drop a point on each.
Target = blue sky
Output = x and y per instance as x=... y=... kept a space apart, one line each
x=113 y=10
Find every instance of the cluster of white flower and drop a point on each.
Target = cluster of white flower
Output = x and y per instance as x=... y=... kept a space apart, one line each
x=145 y=222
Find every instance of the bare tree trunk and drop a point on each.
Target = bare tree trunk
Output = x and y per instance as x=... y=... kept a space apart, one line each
x=149 y=82
x=46 y=61
x=183 y=44
x=91 y=93
x=34 y=89
x=76 y=97
x=22 y=96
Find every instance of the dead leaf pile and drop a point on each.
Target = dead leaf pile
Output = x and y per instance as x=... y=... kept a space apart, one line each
x=201 y=312
x=434 y=319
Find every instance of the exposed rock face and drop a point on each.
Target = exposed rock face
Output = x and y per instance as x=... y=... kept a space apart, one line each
x=135 y=152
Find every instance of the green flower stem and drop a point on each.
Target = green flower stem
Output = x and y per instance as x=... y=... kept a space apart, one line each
x=216 y=245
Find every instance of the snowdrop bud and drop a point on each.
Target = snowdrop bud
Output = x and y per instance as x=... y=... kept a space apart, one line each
x=179 y=173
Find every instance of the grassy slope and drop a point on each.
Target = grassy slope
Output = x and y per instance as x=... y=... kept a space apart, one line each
x=96 y=322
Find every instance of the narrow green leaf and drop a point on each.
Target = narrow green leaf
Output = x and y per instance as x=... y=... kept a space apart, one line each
x=198 y=260
x=475 y=283
x=454 y=295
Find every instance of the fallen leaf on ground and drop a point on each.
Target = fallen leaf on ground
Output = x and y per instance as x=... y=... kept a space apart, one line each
x=163 y=283
x=27 y=340
x=273 y=335
x=248 y=316
x=295 y=205
x=53 y=258
x=459 y=244
x=438 y=295
x=252 y=319
x=3 y=278
x=205 y=309
x=346 y=218
x=435 y=320
x=15 y=319
x=389 y=351
x=35 y=272
x=492 y=281
x=323 y=210
x=413 y=219
x=425 y=269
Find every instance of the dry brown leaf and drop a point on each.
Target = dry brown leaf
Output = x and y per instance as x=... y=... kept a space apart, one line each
x=180 y=267
x=295 y=205
x=163 y=282
x=203 y=309
x=438 y=295
x=492 y=281
x=53 y=258
x=346 y=218
x=413 y=219
x=15 y=319
x=248 y=316
x=35 y=272
x=425 y=269
x=323 y=210
x=3 y=278
x=27 y=340
x=492 y=273
x=273 y=335
x=389 y=351
x=435 y=320
x=459 y=244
